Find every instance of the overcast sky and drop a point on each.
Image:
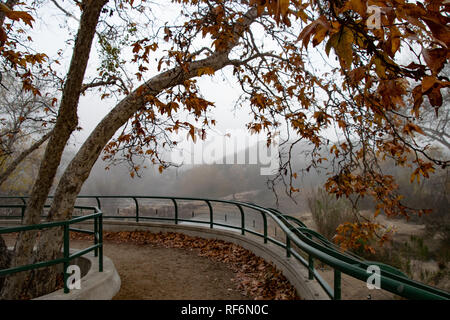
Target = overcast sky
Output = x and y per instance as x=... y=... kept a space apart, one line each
x=51 y=33
x=49 y=37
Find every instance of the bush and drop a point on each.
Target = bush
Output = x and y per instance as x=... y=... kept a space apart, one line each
x=328 y=212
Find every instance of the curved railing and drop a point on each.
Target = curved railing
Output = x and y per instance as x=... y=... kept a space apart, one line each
x=97 y=247
x=300 y=242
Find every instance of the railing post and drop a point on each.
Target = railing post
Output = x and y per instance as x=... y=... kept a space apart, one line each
x=137 y=209
x=288 y=246
x=242 y=219
x=337 y=285
x=310 y=267
x=96 y=236
x=265 y=225
x=310 y=264
x=211 y=219
x=23 y=208
x=66 y=256
x=98 y=203
x=100 y=239
x=176 y=210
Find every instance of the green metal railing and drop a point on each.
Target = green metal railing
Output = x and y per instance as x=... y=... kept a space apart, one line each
x=301 y=243
x=97 y=247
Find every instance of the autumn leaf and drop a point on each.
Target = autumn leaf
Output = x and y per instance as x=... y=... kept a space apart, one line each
x=283 y=6
x=435 y=97
x=3 y=36
x=17 y=15
x=431 y=87
x=410 y=128
x=435 y=58
x=205 y=70
x=168 y=34
x=380 y=67
x=331 y=43
x=342 y=43
x=418 y=99
x=302 y=15
x=191 y=134
x=306 y=33
x=322 y=31
x=356 y=75
x=422 y=169
x=393 y=42
x=439 y=29
x=428 y=82
x=136 y=47
x=359 y=6
x=4 y=8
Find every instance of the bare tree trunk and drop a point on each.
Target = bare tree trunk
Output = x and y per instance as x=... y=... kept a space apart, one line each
x=13 y=165
x=66 y=123
x=5 y=256
x=77 y=172
x=79 y=168
x=5 y=259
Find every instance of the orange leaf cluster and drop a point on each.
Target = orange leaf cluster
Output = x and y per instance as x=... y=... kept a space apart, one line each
x=357 y=235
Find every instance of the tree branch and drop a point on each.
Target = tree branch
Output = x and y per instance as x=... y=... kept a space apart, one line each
x=13 y=165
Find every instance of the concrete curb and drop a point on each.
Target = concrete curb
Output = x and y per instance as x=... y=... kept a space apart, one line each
x=95 y=285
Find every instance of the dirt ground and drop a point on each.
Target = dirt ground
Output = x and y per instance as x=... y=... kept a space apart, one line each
x=151 y=271
x=154 y=273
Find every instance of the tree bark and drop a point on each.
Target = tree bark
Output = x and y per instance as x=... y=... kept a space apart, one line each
x=5 y=255
x=79 y=168
x=13 y=165
x=66 y=123
x=77 y=172
x=5 y=259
